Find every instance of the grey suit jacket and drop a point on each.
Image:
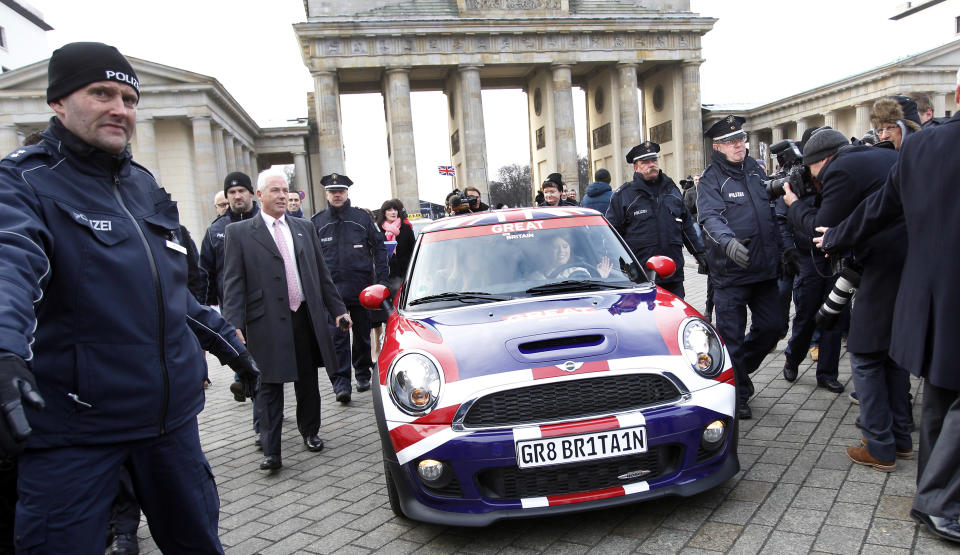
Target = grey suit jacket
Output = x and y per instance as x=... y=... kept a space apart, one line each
x=255 y=297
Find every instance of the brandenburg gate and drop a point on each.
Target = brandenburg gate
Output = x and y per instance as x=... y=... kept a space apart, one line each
x=613 y=49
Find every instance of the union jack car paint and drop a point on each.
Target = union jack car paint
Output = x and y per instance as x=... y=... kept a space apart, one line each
x=530 y=367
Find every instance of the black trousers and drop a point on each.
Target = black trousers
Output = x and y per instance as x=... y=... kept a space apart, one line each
x=125 y=512
x=269 y=405
x=938 y=481
x=809 y=290
x=357 y=354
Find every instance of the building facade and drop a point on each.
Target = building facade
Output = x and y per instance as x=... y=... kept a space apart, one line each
x=618 y=51
x=23 y=34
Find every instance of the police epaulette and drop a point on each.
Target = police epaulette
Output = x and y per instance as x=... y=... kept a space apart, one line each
x=20 y=154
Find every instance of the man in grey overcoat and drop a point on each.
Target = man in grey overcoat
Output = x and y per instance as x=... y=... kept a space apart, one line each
x=278 y=293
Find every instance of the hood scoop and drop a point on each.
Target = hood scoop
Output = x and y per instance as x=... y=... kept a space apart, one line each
x=562 y=345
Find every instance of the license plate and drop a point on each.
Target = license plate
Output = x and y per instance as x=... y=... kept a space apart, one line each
x=583 y=447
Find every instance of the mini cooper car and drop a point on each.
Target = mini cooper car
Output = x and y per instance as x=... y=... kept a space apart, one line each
x=531 y=367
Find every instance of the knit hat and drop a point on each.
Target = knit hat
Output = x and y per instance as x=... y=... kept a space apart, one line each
x=602 y=175
x=823 y=143
x=556 y=178
x=237 y=179
x=78 y=64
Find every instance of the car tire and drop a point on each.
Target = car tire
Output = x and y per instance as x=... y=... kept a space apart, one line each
x=392 y=493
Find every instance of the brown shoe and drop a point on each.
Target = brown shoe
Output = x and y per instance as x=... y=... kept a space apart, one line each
x=860 y=455
x=901 y=453
x=815 y=353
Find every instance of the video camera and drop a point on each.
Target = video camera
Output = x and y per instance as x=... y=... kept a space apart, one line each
x=792 y=171
x=458 y=201
x=686 y=183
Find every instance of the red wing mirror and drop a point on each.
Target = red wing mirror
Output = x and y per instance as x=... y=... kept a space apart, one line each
x=664 y=266
x=373 y=297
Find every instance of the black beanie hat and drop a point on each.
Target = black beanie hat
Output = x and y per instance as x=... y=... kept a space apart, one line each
x=237 y=179
x=602 y=175
x=78 y=64
x=823 y=143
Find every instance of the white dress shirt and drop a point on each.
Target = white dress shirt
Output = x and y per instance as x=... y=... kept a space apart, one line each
x=285 y=229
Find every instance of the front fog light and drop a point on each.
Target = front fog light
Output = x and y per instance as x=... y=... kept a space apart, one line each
x=713 y=433
x=433 y=473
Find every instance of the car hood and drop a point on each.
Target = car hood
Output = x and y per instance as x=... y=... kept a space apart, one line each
x=569 y=332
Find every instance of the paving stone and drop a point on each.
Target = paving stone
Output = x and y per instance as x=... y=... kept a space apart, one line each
x=665 y=540
x=734 y=512
x=894 y=507
x=814 y=498
x=858 y=492
x=781 y=542
x=775 y=504
x=766 y=472
x=802 y=521
x=896 y=533
x=754 y=491
x=836 y=539
x=716 y=536
x=850 y=515
x=613 y=544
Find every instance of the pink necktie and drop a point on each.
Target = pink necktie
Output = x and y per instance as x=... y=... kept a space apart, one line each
x=289 y=266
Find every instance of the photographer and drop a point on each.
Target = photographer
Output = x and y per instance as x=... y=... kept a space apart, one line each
x=849 y=174
x=465 y=203
x=807 y=268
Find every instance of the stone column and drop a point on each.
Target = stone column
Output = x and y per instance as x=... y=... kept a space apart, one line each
x=564 y=131
x=863 y=119
x=692 y=118
x=629 y=109
x=229 y=153
x=240 y=158
x=830 y=119
x=204 y=166
x=252 y=163
x=802 y=124
x=146 y=146
x=221 y=155
x=754 y=142
x=403 y=155
x=303 y=180
x=939 y=102
x=330 y=140
x=473 y=139
x=776 y=134
x=8 y=138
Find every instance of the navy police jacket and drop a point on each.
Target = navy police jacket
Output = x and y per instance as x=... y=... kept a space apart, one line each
x=732 y=204
x=652 y=218
x=352 y=248
x=94 y=296
x=211 y=253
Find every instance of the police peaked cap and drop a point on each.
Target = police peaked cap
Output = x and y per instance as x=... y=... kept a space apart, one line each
x=643 y=151
x=335 y=181
x=237 y=179
x=727 y=128
x=76 y=65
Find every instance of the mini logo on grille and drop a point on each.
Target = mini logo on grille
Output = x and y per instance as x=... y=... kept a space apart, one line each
x=570 y=366
x=634 y=474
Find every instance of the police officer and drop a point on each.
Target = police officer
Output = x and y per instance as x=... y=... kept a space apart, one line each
x=743 y=250
x=354 y=252
x=239 y=192
x=100 y=363
x=650 y=215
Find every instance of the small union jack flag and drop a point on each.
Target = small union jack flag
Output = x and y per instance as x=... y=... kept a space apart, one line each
x=447 y=170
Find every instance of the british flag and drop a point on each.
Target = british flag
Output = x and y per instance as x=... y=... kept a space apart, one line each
x=446 y=170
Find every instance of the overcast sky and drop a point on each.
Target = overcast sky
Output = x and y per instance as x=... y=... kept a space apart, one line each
x=757 y=52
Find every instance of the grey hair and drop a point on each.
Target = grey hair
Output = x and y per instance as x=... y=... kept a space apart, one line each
x=218 y=195
x=267 y=174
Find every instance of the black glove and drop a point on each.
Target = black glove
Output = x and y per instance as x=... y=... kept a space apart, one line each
x=790 y=262
x=248 y=373
x=738 y=252
x=702 y=267
x=17 y=386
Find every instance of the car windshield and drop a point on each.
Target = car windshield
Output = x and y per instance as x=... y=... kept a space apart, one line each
x=525 y=259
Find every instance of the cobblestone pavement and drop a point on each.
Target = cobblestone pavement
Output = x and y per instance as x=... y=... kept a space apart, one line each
x=796 y=493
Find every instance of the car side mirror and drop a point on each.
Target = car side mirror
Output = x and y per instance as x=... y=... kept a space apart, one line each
x=376 y=297
x=660 y=267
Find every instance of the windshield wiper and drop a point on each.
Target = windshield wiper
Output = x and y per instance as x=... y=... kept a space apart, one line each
x=573 y=285
x=462 y=296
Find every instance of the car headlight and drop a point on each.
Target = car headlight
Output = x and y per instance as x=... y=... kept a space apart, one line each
x=701 y=347
x=415 y=383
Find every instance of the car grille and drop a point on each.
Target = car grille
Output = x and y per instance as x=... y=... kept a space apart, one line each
x=570 y=399
x=510 y=482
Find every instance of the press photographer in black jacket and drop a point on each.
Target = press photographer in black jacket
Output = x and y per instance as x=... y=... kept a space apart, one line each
x=848 y=175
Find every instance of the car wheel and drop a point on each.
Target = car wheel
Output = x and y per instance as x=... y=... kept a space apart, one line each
x=392 y=494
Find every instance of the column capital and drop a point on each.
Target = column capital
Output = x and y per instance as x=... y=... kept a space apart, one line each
x=323 y=72
x=469 y=67
x=298 y=152
x=694 y=62
x=201 y=118
x=397 y=69
x=561 y=65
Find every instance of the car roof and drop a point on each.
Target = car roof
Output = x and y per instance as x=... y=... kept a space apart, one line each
x=511 y=215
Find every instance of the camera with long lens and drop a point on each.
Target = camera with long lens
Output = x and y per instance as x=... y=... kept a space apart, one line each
x=459 y=202
x=848 y=280
x=686 y=183
x=792 y=171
